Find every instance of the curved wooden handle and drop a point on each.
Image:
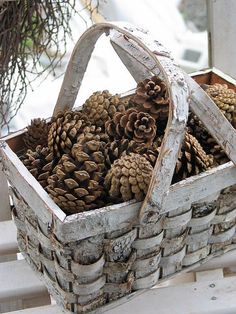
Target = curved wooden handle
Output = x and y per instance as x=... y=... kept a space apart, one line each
x=81 y=55
x=153 y=58
x=139 y=64
x=201 y=104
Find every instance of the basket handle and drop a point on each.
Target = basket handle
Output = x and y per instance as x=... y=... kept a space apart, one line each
x=148 y=56
x=81 y=55
x=201 y=104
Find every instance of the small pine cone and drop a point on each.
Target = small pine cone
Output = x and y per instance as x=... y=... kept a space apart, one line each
x=101 y=106
x=40 y=163
x=64 y=130
x=77 y=181
x=224 y=98
x=36 y=134
x=150 y=153
x=208 y=143
x=132 y=124
x=192 y=159
x=197 y=129
x=129 y=177
x=151 y=96
x=219 y=155
x=117 y=148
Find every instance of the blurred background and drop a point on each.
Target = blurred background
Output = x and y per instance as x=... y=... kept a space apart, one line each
x=180 y=25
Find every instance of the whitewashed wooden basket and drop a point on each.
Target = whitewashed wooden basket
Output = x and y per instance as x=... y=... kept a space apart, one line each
x=89 y=259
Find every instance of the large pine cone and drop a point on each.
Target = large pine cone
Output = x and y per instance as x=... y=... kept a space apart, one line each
x=151 y=96
x=36 y=134
x=64 y=130
x=129 y=177
x=132 y=124
x=101 y=106
x=192 y=159
x=40 y=163
x=77 y=181
x=224 y=98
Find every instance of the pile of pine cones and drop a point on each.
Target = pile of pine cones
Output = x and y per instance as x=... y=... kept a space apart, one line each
x=105 y=152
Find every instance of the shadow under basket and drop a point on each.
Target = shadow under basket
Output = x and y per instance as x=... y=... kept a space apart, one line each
x=89 y=259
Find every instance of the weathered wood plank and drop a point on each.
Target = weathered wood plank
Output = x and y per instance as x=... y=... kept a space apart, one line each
x=208 y=296
x=18 y=281
x=20 y=287
x=216 y=296
x=49 y=309
x=226 y=260
x=8 y=242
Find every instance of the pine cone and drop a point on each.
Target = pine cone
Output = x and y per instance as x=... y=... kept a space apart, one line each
x=208 y=143
x=197 y=129
x=224 y=98
x=192 y=159
x=117 y=148
x=40 y=163
x=77 y=181
x=64 y=131
x=36 y=134
x=129 y=177
x=131 y=124
x=101 y=106
x=151 y=96
x=218 y=153
x=149 y=153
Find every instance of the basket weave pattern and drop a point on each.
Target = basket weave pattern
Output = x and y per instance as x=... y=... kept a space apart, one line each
x=86 y=274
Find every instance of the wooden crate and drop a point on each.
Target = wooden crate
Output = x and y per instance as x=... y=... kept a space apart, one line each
x=93 y=258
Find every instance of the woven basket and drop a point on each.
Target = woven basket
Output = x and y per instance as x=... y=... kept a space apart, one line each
x=89 y=259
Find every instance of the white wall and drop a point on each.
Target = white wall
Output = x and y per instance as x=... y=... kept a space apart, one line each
x=222 y=27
